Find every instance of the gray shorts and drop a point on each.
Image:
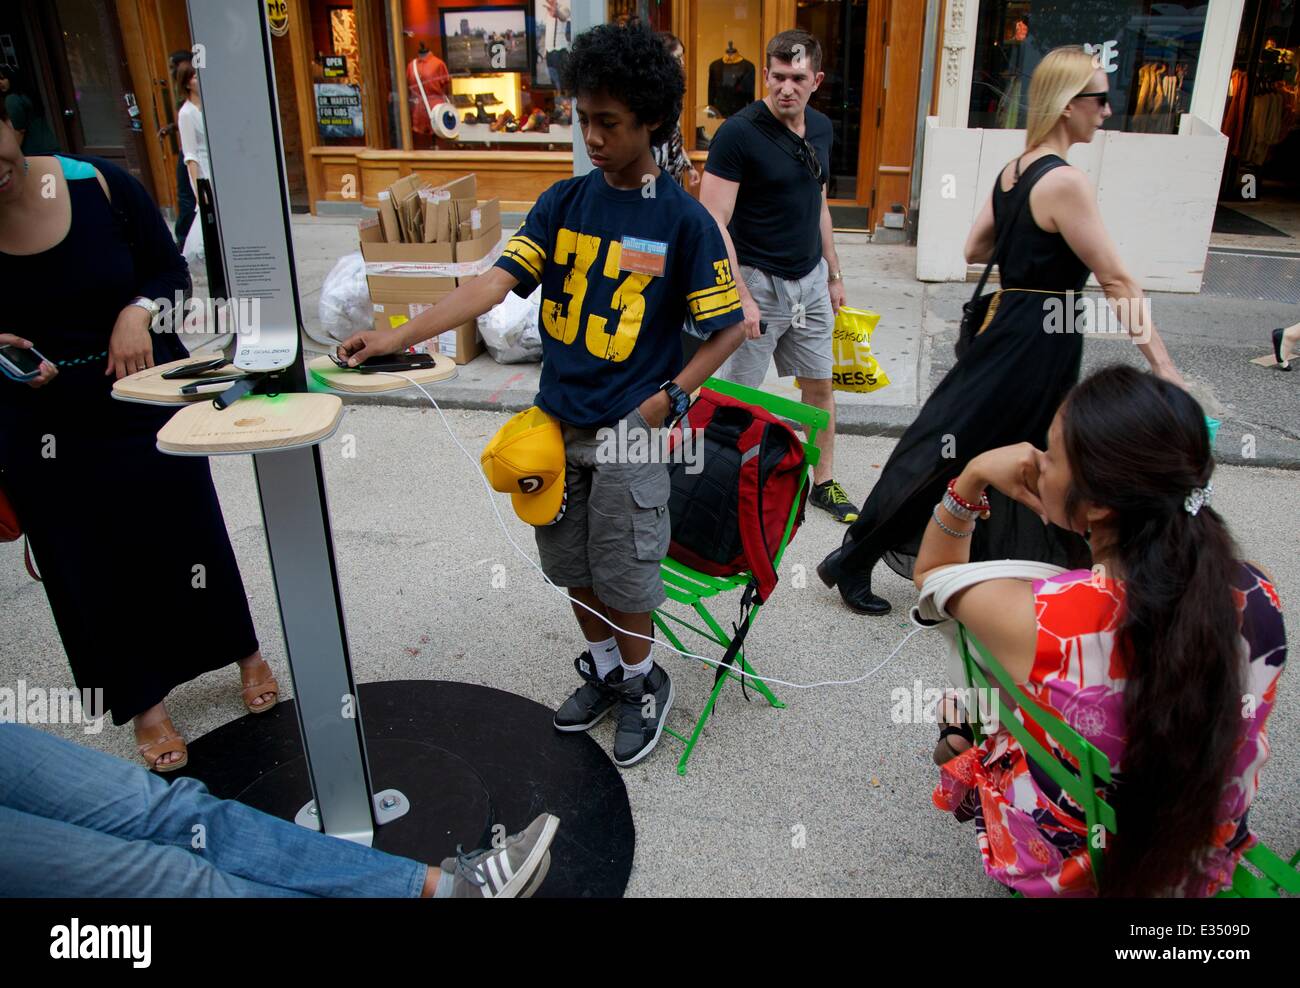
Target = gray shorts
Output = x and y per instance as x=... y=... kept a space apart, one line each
x=615 y=529
x=800 y=323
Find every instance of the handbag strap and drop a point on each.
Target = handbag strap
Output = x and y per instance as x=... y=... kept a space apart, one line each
x=1024 y=186
x=27 y=561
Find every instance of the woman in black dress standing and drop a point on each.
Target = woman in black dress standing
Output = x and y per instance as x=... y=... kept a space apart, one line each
x=1007 y=385
x=130 y=543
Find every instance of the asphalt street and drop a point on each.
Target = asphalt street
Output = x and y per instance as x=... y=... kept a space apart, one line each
x=827 y=797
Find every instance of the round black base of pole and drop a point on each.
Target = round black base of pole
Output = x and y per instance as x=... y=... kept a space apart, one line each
x=453 y=799
x=436 y=742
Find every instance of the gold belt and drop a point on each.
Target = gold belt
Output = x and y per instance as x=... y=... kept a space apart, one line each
x=997 y=298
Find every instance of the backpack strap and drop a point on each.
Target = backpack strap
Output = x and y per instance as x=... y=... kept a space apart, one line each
x=750 y=516
x=27 y=561
x=737 y=641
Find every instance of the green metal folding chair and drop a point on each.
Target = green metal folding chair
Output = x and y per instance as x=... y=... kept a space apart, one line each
x=684 y=585
x=1275 y=874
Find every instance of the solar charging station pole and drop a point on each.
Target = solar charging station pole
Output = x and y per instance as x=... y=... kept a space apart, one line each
x=237 y=81
x=232 y=54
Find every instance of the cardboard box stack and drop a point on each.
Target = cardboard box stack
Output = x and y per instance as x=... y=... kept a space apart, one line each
x=422 y=245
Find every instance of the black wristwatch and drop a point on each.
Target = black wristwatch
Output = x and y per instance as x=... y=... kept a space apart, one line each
x=678 y=401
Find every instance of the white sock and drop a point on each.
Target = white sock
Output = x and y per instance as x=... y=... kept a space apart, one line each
x=640 y=668
x=606 y=655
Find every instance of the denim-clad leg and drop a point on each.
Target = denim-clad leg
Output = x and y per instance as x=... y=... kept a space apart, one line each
x=45 y=776
x=43 y=858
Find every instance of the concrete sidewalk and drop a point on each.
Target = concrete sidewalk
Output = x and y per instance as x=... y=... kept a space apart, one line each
x=1213 y=341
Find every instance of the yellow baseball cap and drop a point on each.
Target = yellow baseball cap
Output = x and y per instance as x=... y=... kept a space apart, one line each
x=526 y=460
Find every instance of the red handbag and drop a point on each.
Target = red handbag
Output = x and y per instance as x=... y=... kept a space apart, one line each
x=11 y=531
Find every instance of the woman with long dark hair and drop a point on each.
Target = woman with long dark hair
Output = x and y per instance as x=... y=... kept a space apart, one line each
x=1007 y=384
x=1166 y=655
x=671 y=156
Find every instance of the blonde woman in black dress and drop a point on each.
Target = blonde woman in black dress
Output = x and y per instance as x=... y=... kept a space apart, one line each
x=1007 y=385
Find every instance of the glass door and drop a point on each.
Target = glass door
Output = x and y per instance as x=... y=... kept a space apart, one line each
x=94 y=116
x=841 y=26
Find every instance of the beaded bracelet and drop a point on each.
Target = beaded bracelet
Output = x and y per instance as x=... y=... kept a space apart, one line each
x=982 y=507
x=956 y=510
x=951 y=531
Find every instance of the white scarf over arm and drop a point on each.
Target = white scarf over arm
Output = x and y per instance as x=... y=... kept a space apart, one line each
x=931 y=610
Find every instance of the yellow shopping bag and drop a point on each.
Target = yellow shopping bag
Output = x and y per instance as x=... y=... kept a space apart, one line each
x=856 y=368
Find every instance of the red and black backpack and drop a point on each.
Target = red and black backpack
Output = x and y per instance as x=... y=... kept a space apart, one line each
x=729 y=516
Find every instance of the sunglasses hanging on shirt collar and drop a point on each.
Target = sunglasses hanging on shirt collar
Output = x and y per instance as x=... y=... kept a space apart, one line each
x=782 y=136
x=808 y=155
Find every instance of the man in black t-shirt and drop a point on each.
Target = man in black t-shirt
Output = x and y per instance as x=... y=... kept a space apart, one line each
x=765 y=184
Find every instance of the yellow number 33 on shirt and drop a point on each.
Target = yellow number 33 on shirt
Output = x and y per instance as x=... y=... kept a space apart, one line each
x=564 y=321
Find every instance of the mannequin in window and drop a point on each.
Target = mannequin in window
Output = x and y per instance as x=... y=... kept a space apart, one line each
x=427 y=80
x=731 y=82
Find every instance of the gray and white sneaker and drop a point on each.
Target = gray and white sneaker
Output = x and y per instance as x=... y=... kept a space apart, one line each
x=513 y=871
x=589 y=703
x=644 y=702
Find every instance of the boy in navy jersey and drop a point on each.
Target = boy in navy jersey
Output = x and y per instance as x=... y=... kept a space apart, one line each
x=623 y=256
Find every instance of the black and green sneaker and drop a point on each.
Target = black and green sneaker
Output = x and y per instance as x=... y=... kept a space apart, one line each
x=831 y=497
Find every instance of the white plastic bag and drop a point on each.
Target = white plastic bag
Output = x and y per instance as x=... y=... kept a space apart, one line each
x=345 y=306
x=509 y=330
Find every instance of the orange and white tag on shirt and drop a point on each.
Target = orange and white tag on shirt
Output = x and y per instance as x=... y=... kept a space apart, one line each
x=640 y=256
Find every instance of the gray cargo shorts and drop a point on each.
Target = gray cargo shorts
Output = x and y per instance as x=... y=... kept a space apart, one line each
x=615 y=529
x=800 y=325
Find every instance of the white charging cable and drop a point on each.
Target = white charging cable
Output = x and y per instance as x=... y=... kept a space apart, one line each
x=734 y=670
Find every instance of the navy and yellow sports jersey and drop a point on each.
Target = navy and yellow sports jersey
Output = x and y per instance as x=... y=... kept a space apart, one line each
x=619 y=272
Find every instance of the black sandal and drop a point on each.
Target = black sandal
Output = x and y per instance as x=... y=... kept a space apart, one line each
x=944 y=750
x=1277 y=351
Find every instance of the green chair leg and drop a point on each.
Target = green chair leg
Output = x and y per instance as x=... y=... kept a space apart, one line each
x=757 y=683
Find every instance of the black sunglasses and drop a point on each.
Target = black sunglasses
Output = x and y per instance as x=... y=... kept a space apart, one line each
x=1102 y=98
x=808 y=155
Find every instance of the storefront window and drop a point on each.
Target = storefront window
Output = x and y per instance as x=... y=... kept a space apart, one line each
x=496 y=63
x=724 y=63
x=336 y=74
x=1262 y=113
x=1148 y=49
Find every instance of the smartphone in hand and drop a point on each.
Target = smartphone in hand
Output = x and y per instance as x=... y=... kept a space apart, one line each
x=389 y=362
x=20 y=364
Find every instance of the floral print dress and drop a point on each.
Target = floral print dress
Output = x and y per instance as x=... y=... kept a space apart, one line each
x=1032 y=836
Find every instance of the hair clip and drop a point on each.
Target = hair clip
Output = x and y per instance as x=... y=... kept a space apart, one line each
x=1199 y=497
